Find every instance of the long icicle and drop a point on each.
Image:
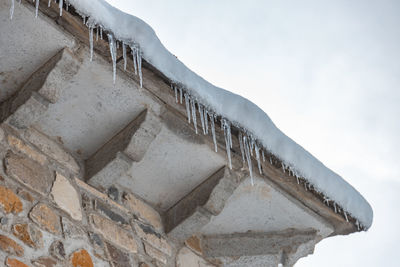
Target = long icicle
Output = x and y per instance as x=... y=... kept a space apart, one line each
x=227 y=130
x=36 y=8
x=206 y=119
x=212 y=120
x=12 y=9
x=176 y=93
x=193 y=106
x=258 y=157
x=60 y=6
x=113 y=52
x=241 y=145
x=97 y=33
x=180 y=94
x=49 y=3
x=124 y=54
x=187 y=100
x=248 y=157
x=139 y=62
x=91 y=41
x=202 y=118
x=134 y=59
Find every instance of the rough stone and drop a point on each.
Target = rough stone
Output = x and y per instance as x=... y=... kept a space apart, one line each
x=143 y=264
x=26 y=195
x=66 y=197
x=142 y=210
x=1 y=134
x=44 y=262
x=15 y=263
x=186 y=257
x=10 y=246
x=19 y=145
x=117 y=257
x=155 y=254
x=43 y=216
x=57 y=250
x=52 y=149
x=9 y=201
x=106 y=210
x=28 y=172
x=113 y=193
x=114 y=233
x=81 y=258
x=70 y=229
x=98 y=246
x=195 y=244
x=28 y=234
x=153 y=238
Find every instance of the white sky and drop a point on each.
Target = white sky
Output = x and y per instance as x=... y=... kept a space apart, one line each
x=328 y=75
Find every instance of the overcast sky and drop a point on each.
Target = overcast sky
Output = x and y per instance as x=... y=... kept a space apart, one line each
x=328 y=75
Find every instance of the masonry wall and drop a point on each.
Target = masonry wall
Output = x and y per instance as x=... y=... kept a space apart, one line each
x=49 y=217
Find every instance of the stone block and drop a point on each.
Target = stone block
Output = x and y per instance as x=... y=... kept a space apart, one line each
x=28 y=172
x=15 y=263
x=155 y=254
x=106 y=210
x=20 y=146
x=57 y=250
x=186 y=257
x=28 y=234
x=66 y=197
x=112 y=232
x=71 y=230
x=45 y=217
x=10 y=246
x=81 y=258
x=98 y=246
x=143 y=210
x=118 y=258
x=9 y=201
x=148 y=234
x=194 y=243
x=45 y=262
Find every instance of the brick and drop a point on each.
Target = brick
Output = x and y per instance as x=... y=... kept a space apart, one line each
x=81 y=258
x=106 y=210
x=44 y=262
x=113 y=233
x=20 y=146
x=57 y=250
x=28 y=234
x=155 y=254
x=9 y=201
x=118 y=258
x=194 y=243
x=52 y=149
x=10 y=246
x=186 y=257
x=153 y=238
x=66 y=197
x=142 y=210
x=44 y=216
x=15 y=263
x=28 y=172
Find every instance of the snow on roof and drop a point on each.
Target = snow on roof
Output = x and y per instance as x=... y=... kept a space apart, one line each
x=257 y=129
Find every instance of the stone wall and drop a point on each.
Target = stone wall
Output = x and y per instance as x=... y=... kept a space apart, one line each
x=50 y=217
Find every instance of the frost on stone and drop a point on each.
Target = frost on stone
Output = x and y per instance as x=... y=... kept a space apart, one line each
x=113 y=51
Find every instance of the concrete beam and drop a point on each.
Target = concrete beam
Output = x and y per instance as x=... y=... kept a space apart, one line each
x=31 y=101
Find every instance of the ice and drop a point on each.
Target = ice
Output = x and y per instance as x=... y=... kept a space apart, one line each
x=176 y=93
x=60 y=6
x=187 y=100
x=194 y=117
x=91 y=42
x=180 y=94
x=113 y=51
x=66 y=4
x=201 y=112
x=36 y=8
x=263 y=156
x=212 y=120
x=241 y=146
x=97 y=33
x=228 y=139
x=345 y=215
x=101 y=33
x=12 y=9
x=139 y=65
x=134 y=58
x=258 y=157
x=124 y=54
x=206 y=119
x=49 y=3
x=248 y=157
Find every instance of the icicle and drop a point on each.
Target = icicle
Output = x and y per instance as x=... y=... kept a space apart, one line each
x=227 y=134
x=283 y=167
x=91 y=42
x=212 y=119
x=97 y=33
x=262 y=154
x=187 y=97
x=270 y=160
x=12 y=9
x=84 y=19
x=176 y=94
x=345 y=215
x=305 y=186
x=139 y=65
x=193 y=106
x=248 y=157
x=258 y=157
x=326 y=201
x=241 y=145
x=206 y=119
x=60 y=6
x=36 y=8
x=358 y=225
x=180 y=94
x=251 y=140
x=48 y=5
x=101 y=33
x=334 y=206
x=297 y=179
x=202 y=118
x=66 y=4
x=134 y=59
x=113 y=52
x=124 y=54
x=117 y=43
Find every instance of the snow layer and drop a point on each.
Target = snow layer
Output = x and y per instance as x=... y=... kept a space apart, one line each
x=238 y=110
